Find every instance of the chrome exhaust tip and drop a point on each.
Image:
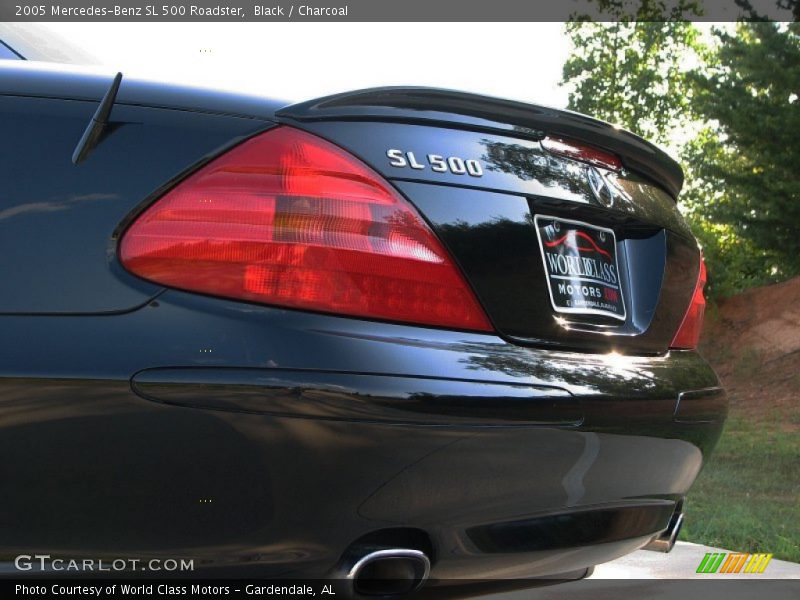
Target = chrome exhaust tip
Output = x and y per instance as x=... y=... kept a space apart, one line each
x=387 y=571
x=665 y=541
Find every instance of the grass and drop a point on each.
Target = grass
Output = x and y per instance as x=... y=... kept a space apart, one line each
x=747 y=498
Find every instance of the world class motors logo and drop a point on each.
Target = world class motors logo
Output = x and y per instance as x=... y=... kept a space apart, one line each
x=734 y=562
x=563 y=264
x=580 y=262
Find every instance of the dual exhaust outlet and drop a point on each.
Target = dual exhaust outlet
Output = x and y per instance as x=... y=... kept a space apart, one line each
x=665 y=541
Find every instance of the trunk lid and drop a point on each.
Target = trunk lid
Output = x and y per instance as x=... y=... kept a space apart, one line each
x=560 y=252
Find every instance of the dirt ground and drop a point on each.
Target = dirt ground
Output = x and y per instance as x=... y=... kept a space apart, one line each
x=753 y=342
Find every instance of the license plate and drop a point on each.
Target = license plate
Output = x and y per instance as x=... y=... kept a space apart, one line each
x=580 y=262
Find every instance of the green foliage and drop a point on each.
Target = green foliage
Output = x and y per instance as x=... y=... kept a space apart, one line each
x=748 y=164
x=631 y=73
x=730 y=110
x=734 y=263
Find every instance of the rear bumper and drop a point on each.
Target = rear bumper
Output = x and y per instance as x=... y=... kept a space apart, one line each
x=510 y=461
x=309 y=433
x=482 y=500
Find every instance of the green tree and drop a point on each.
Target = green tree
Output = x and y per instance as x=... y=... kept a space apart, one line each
x=632 y=73
x=746 y=162
x=729 y=109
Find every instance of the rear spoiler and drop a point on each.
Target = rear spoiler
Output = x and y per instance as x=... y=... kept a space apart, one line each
x=483 y=113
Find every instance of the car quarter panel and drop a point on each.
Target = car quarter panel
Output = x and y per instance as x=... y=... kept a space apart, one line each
x=59 y=221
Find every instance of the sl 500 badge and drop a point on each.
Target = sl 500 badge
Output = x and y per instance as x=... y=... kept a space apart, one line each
x=435 y=162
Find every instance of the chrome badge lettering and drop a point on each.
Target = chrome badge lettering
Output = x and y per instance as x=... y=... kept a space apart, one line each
x=435 y=162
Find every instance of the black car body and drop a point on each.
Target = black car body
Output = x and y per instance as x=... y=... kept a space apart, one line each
x=139 y=419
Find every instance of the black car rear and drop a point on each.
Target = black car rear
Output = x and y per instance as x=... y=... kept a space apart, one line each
x=403 y=324
x=488 y=219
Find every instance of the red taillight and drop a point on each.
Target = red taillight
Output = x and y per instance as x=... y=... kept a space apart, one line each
x=688 y=334
x=289 y=219
x=582 y=152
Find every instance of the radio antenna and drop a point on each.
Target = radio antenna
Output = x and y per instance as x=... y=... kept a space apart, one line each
x=94 y=131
